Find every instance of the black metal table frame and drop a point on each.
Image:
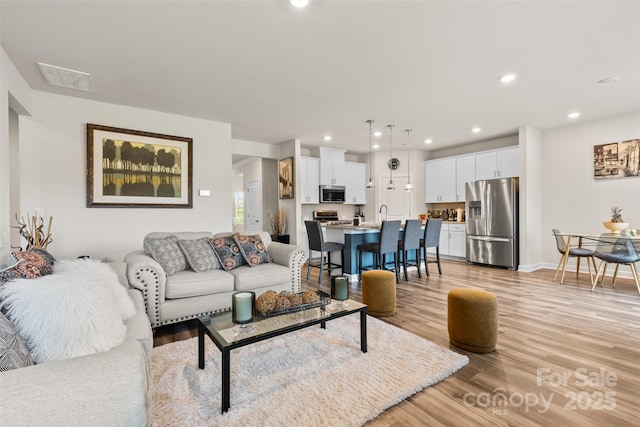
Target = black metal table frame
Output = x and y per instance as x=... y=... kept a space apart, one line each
x=226 y=351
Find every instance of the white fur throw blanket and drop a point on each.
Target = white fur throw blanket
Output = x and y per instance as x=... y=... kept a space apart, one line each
x=77 y=310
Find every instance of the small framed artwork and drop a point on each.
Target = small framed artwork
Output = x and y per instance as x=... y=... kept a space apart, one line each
x=135 y=169
x=616 y=159
x=285 y=178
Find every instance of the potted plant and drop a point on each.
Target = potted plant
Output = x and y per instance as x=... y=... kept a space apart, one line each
x=279 y=225
x=616 y=224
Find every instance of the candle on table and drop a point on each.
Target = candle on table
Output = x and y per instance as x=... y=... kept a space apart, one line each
x=242 y=307
x=340 y=288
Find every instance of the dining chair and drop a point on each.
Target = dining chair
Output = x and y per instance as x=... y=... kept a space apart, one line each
x=619 y=250
x=410 y=242
x=576 y=252
x=317 y=243
x=388 y=244
x=431 y=240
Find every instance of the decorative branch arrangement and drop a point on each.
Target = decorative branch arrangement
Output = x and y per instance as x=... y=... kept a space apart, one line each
x=32 y=231
x=279 y=221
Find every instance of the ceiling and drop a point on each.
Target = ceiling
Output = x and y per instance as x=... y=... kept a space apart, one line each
x=277 y=73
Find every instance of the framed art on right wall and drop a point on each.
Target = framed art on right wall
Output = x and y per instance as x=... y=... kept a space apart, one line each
x=616 y=159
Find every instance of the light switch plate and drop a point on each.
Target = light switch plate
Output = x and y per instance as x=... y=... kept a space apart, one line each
x=204 y=193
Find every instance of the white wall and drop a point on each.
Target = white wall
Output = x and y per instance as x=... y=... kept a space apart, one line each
x=572 y=200
x=15 y=95
x=53 y=171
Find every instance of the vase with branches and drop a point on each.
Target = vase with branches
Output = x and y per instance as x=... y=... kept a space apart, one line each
x=279 y=224
x=33 y=232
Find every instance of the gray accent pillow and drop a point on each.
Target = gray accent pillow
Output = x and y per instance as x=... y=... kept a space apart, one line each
x=13 y=351
x=199 y=254
x=167 y=252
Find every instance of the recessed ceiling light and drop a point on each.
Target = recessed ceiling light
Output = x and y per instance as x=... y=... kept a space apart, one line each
x=573 y=115
x=609 y=80
x=327 y=138
x=476 y=130
x=299 y=3
x=377 y=134
x=376 y=146
x=428 y=141
x=508 y=78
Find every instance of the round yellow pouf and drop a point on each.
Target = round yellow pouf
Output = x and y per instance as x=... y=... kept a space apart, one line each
x=379 y=292
x=472 y=316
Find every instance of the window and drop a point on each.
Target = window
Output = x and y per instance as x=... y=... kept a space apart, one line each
x=238 y=208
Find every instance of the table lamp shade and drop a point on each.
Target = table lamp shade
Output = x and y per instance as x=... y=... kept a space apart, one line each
x=243 y=306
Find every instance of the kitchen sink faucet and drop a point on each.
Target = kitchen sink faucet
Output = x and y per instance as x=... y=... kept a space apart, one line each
x=386 y=211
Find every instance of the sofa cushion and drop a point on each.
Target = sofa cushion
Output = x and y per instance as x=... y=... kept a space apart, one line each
x=67 y=314
x=252 y=248
x=248 y=278
x=13 y=351
x=199 y=254
x=28 y=264
x=228 y=252
x=167 y=252
x=190 y=284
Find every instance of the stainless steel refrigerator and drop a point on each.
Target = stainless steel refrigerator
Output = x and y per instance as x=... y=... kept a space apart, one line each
x=492 y=222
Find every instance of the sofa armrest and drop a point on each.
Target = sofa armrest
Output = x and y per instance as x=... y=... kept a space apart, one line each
x=145 y=274
x=290 y=256
x=103 y=389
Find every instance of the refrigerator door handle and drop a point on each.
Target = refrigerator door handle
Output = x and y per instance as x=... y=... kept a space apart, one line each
x=489 y=238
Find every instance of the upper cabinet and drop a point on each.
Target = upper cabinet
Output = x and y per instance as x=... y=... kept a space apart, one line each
x=310 y=170
x=465 y=172
x=356 y=183
x=332 y=166
x=501 y=163
x=440 y=183
x=446 y=178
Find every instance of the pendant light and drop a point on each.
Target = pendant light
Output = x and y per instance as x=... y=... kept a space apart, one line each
x=408 y=186
x=370 y=183
x=390 y=186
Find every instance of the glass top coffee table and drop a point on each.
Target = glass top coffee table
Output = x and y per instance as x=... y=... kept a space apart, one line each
x=224 y=333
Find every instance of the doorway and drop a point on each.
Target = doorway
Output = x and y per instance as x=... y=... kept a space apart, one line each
x=398 y=201
x=253 y=206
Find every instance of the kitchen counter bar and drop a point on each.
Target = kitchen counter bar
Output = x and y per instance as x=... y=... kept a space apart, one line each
x=352 y=236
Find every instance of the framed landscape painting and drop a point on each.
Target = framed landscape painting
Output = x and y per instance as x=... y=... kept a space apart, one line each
x=130 y=168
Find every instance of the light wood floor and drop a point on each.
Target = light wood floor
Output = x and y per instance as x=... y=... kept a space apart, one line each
x=562 y=343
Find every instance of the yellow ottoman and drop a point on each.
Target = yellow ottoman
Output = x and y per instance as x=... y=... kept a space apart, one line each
x=472 y=316
x=379 y=292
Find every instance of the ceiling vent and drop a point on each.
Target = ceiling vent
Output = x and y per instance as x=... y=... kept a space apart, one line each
x=64 y=77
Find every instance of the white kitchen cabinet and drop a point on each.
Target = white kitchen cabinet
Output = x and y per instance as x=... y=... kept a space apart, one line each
x=440 y=180
x=452 y=241
x=465 y=172
x=457 y=240
x=332 y=166
x=309 y=176
x=356 y=183
x=502 y=163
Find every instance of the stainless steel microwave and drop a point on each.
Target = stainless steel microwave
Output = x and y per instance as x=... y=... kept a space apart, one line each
x=332 y=194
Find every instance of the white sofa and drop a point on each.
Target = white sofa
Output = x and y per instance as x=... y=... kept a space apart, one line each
x=188 y=294
x=110 y=388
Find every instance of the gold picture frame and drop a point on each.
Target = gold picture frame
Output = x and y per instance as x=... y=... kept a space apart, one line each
x=136 y=169
x=285 y=178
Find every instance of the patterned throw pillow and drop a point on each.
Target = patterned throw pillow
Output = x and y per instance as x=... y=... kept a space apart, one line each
x=227 y=251
x=199 y=254
x=253 y=249
x=28 y=264
x=13 y=351
x=167 y=252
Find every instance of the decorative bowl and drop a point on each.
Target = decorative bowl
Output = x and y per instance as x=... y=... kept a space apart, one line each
x=616 y=227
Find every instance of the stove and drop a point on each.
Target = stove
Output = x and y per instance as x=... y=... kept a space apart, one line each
x=329 y=217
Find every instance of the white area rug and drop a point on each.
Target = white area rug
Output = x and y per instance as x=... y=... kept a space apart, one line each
x=312 y=377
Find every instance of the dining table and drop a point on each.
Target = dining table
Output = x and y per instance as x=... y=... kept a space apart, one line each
x=591 y=239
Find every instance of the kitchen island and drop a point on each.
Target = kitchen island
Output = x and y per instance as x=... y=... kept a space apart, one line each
x=353 y=235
